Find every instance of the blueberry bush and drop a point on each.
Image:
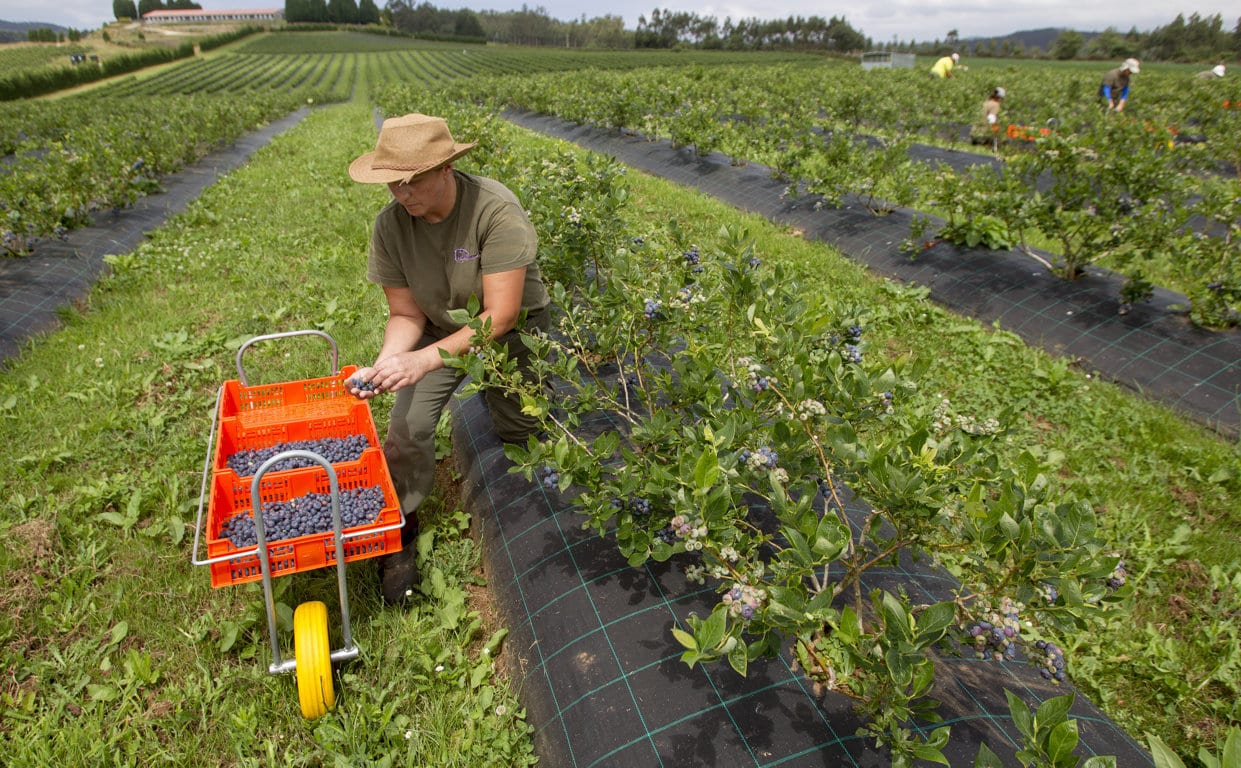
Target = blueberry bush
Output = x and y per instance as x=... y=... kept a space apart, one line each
x=1115 y=191
x=760 y=443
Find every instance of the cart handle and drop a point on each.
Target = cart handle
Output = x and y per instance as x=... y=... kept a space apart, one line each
x=346 y=651
x=241 y=372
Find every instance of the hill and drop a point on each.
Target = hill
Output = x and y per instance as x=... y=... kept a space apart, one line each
x=15 y=31
x=1030 y=38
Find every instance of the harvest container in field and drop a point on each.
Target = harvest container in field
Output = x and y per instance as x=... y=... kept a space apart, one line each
x=274 y=416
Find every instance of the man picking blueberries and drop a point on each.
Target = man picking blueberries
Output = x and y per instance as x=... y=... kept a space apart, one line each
x=445 y=236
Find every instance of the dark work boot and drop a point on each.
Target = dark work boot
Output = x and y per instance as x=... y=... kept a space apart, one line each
x=398 y=573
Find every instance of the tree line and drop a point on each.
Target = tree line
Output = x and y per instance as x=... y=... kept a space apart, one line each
x=332 y=11
x=661 y=29
x=128 y=9
x=45 y=35
x=1198 y=38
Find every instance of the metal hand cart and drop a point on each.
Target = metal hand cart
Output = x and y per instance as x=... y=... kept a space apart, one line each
x=264 y=416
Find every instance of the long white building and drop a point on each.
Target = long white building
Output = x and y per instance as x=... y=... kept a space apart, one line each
x=205 y=17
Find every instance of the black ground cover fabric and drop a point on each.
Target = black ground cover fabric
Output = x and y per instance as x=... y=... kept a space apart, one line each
x=1153 y=349
x=591 y=653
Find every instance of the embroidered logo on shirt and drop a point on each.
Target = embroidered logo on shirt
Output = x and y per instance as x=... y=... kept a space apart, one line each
x=461 y=254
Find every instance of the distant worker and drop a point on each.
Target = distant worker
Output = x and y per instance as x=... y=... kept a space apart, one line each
x=988 y=131
x=1115 y=87
x=943 y=67
x=991 y=107
x=1214 y=73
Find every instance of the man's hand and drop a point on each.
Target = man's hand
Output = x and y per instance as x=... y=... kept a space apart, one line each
x=403 y=369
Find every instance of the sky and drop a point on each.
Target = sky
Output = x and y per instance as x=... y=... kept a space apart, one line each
x=882 y=20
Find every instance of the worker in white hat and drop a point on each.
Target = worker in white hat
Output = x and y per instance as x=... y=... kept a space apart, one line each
x=988 y=131
x=1115 y=87
x=943 y=68
x=1214 y=73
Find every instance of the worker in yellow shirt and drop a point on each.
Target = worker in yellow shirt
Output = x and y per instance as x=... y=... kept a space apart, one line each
x=943 y=67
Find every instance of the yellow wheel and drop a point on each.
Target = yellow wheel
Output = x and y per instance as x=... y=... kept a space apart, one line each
x=314 y=659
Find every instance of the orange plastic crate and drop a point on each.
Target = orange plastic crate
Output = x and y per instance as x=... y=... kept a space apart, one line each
x=237 y=435
x=287 y=400
x=230 y=495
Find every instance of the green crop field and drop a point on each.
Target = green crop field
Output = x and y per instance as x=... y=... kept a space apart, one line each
x=100 y=497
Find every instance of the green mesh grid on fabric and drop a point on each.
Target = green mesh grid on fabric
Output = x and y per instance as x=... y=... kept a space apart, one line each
x=591 y=653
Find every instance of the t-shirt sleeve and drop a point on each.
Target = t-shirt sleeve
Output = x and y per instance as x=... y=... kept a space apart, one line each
x=508 y=241
x=383 y=265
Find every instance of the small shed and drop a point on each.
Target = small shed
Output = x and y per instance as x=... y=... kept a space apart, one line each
x=887 y=60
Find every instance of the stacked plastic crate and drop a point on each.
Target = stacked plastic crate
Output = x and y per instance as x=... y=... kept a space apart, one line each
x=268 y=419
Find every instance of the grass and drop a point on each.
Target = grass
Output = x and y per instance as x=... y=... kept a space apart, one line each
x=118 y=650
x=99 y=497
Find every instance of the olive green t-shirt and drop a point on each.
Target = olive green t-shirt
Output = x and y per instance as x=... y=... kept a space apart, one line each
x=443 y=263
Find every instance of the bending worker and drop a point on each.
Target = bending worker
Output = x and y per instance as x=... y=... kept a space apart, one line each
x=1115 y=87
x=943 y=67
x=445 y=238
x=991 y=107
x=987 y=132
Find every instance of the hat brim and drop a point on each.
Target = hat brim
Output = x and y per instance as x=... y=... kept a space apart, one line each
x=363 y=169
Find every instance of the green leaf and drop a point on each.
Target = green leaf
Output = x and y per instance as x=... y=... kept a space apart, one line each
x=830 y=538
x=1053 y=711
x=706 y=472
x=228 y=636
x=934 y=620
x=739 y=659
x=713 y=629
x=1231 y=755
x=986 y=758
x=1222 y=475
x=176 y=530
x=929 y=753
x=685 y=639
x=1020 y=714
x=899 y=667
x=119 y=631
x=1010 y=527
x=102 y=692
x=1100 y=761
x=493 y=645
x=1062 y=742
x=850 y=627
x=895 y=618
x=1162 y=753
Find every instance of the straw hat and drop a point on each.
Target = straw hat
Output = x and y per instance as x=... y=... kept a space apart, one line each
x=408 y=146
x=1131 y=65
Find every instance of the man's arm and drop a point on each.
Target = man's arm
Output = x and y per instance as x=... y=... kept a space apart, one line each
x=400 y=365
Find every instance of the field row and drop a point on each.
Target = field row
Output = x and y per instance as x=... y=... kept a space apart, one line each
x=1138 y=193
x=88 y=154
x=14 y=57
x=1124 y=191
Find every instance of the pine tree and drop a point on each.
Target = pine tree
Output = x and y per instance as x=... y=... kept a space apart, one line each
x=124 y=9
